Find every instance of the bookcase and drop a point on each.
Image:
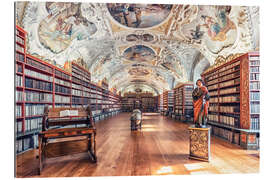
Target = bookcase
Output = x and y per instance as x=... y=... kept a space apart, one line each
x=160 y=103
x=148 y=102
x=127 y=102
x=145 y=101
x=39 y=83
x=166 y=102
x=183 y=103
x=62 y=88
x=234 y=108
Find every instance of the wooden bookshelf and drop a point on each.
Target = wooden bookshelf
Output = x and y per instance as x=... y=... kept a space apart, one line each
x=234 y=109
x=148 y=103
x=39 y=83
x=160 y=103
x=166 y=102
x=144 y=101
x=183 y=104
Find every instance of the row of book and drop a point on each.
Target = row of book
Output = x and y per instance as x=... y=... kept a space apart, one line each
x=34 y=109
x=20 y=57
x=19 y=127
x=39 y=65
x=76 y=86
x=38 y=75
x=254 y=62
x=86 y=94
x=215 y=86
x=255 y=69
x=77 y=100
x=79 y=81
x=76 y=92
x=255 y=123
x=212 y=82
x=230 y=109
x=213 y=100
x=213 y=93
x=62 y=89
x=83 y=78
x=23 y=144
x=62 y=75
x=230 y=66
x=230 y=76
x=213 y=108
x=229 y=120
x=36 y=84
x=19 y=48
x=231 y=98
x=18 y=111
x=61 y=99
x=78 y=71
x=19 y=68
x=19 y=39
x=33 y=124
x=235 y=68
x=19 y=96
x=213 y=117
x=86 y=89
x=19 y=81
x=230 y=90
x=254 y=76
x=225 y=134
x=255 y=107
x=31 y=96
x=255 y=96
x=211 y=76
x=254 y=85
x=230 y=83
x=60 y=81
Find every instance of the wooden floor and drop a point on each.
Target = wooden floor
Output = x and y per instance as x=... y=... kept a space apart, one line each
x=161 y=147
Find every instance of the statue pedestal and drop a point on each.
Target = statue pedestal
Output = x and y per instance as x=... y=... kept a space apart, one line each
x=199 y=139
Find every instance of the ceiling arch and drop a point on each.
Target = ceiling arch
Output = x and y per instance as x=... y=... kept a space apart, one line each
x=171 y=50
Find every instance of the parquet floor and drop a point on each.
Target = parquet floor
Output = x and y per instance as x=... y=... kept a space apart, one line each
x=161 y=147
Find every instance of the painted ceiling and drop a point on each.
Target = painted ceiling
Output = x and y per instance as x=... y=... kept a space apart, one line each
x=151 y=47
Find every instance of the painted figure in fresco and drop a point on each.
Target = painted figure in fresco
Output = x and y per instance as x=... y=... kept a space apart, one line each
x=217 y=29
x=201 y=98
x=63 y=23
x=139 y=15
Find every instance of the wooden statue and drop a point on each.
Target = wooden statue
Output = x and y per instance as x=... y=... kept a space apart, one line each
x=201 y=98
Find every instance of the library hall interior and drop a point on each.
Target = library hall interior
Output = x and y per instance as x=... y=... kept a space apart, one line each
x=122 y=89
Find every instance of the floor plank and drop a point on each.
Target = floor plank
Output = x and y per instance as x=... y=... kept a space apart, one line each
x=160 y=148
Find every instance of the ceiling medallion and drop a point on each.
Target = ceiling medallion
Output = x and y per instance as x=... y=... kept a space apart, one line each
x=139 y=15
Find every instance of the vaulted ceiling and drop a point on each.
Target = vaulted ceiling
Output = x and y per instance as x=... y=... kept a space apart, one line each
x=152 y=47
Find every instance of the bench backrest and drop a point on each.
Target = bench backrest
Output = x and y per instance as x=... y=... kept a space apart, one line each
x=63 y=116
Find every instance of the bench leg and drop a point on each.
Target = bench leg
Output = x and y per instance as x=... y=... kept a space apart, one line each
x=91 y=151
x=40 y=154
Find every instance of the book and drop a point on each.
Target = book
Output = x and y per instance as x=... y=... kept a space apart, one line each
x=69 y=113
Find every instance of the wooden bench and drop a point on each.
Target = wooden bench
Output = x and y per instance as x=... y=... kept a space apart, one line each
x=67 y=140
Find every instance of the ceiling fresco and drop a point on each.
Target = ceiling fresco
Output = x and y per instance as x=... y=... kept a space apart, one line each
x=139 y=15
x=150 y=47
x=63 y=24
x=139 y=53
